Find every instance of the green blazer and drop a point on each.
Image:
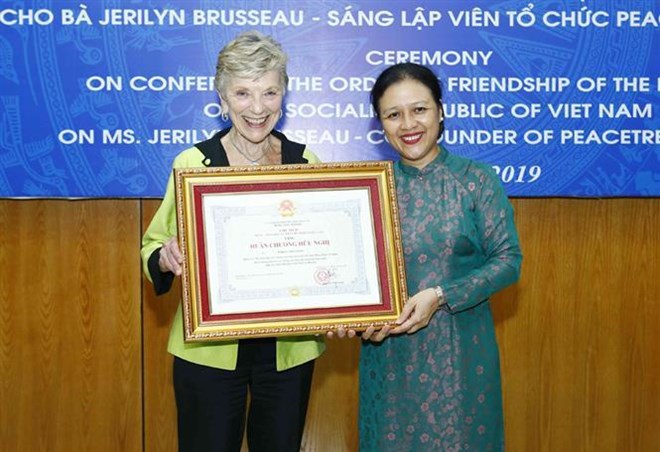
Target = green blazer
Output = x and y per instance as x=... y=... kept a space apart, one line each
x=291 y=351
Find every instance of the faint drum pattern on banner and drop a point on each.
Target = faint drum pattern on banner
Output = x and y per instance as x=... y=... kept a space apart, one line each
x=87 y=110
x=600 y=170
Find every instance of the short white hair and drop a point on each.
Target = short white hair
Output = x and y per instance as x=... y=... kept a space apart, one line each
x=250 y=55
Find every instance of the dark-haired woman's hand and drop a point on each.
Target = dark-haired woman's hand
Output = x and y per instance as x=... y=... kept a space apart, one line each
x=417 y=312
x=373 y=335
x=341 y=333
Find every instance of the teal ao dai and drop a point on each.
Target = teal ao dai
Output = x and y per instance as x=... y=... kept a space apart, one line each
x=439 y=388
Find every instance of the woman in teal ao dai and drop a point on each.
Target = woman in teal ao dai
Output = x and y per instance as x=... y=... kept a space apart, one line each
x=433 y=382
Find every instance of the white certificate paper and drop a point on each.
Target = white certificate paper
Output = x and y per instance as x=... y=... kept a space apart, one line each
x=276 y=251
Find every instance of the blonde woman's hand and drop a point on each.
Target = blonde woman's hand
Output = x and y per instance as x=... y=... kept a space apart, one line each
x=170 y=257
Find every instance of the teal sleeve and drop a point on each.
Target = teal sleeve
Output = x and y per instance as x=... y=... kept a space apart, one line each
x=499 y=241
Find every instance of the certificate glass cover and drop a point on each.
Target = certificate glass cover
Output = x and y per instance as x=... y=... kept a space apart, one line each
x=288 y=249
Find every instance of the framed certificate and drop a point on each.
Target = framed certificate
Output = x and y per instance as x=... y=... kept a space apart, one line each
x=288 y=249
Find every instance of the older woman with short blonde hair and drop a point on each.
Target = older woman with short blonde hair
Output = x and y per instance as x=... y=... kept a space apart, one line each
x=212 y=379
x=250 y=55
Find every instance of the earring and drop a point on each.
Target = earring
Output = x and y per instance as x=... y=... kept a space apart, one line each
x=224 y=116
x=281 y=113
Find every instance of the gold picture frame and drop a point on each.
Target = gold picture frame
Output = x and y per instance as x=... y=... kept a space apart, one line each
x=288 y=249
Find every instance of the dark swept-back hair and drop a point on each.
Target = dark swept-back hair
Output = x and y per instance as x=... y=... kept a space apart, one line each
x=406 y=71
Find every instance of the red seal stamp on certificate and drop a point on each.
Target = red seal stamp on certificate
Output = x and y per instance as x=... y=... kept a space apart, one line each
x=323 y=276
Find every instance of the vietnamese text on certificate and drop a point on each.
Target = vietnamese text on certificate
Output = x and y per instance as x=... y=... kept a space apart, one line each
x=290 y=250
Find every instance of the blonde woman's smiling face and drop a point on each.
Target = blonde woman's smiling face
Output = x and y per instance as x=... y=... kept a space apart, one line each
x=254 y=105
x=411 y=121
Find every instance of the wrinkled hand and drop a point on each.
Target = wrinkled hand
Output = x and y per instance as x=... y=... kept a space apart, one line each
x=417 y=312
x=170 y=257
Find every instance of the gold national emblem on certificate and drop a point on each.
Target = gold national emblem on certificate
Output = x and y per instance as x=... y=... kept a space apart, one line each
x=287 y=208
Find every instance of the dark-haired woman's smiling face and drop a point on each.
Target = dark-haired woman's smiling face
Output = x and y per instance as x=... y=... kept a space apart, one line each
x=411 y=121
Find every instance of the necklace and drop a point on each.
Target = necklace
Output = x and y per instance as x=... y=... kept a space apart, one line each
x=246 y=156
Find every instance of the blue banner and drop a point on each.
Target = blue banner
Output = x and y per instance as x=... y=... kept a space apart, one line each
x=560 y=97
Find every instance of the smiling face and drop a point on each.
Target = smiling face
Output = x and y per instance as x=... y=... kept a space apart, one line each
x=254 y=105
x=411 y=121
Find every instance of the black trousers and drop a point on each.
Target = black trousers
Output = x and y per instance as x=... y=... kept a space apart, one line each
x=211 y=403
